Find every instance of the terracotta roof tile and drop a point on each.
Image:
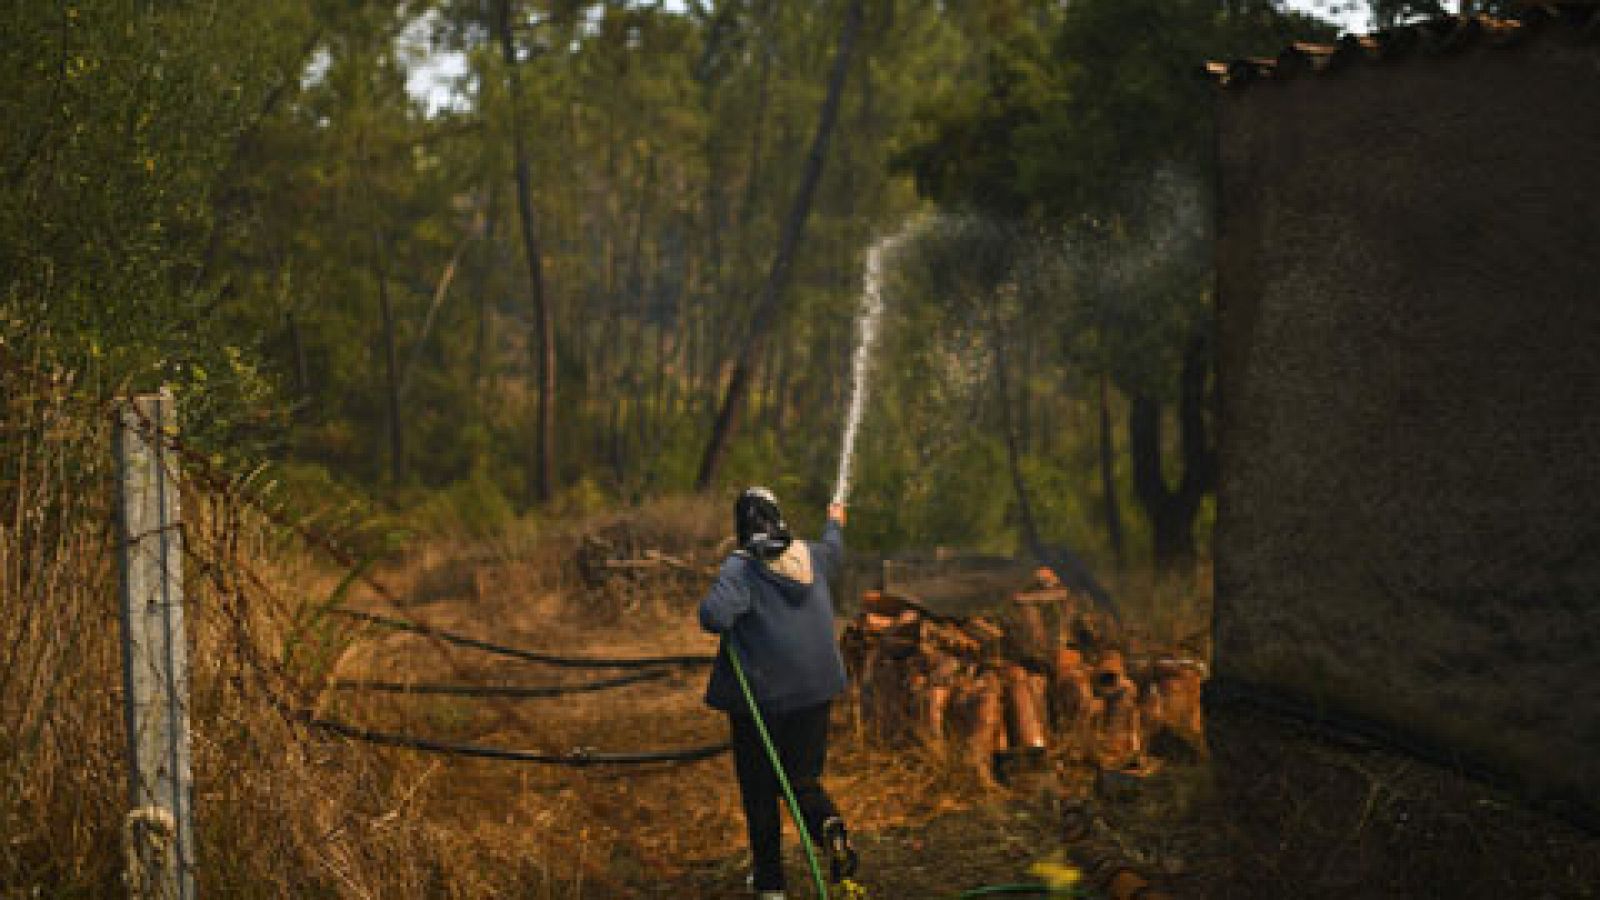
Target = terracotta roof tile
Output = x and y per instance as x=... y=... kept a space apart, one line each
x=1434 y=37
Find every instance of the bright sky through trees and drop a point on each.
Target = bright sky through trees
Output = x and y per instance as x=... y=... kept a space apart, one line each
x=434 y=77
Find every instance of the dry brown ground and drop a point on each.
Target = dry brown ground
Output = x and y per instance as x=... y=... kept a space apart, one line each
x=1308 y=819
x=923 y=824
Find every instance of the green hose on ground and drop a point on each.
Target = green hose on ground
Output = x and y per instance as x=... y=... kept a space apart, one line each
x=799 y=821
x=777 y=766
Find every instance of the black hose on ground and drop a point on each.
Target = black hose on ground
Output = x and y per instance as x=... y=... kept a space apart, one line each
x=483 y=690
x=577 y=757
x=571 y=662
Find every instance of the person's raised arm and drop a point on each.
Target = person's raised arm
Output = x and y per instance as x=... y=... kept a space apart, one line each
x=832 y=543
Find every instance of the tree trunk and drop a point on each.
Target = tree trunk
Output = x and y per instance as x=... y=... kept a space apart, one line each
x=1030 y=528
x=1172 y=512
x=768 y=304
x=658 y=390
x=769 y=383
x=1108 y=478
x=1067 y=564
x=752 y=186
x=613 y=444
x=440 y=292
x=543 y=347
x=391 y=362
x=669 y=338
x=692 y=322
x=1025 y=399
x=482 y=366
x=701 y=366
x=639 y=282
x=611 y=350
x=302 y=372
x=780 y=402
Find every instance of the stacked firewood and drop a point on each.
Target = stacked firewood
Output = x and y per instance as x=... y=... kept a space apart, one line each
x=1044 y=677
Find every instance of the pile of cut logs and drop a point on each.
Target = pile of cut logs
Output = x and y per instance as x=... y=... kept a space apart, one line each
x=1044 y=677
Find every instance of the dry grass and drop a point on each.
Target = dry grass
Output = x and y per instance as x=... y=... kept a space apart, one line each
x=280 y=811
x=284 y=811
x=62 y=776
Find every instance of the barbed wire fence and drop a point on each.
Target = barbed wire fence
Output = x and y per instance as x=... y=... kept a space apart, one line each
x=260 y=649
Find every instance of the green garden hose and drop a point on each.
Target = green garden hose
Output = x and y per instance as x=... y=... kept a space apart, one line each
x=799 y=822
x=777 y=766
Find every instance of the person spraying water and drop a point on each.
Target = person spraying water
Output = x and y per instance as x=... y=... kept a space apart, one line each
x=776 y=679
x=772 y=607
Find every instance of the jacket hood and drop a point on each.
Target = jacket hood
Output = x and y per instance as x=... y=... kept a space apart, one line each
x=792 y=572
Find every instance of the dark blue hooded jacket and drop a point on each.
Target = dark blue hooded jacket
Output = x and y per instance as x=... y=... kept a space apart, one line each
x=782 y=627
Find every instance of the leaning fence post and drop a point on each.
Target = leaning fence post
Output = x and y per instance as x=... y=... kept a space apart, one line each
x=158 y=837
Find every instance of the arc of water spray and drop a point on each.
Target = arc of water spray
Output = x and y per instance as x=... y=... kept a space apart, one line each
x=866 y=335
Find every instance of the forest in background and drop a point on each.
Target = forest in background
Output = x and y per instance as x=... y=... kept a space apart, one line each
x=620 y=262
x=624 y=258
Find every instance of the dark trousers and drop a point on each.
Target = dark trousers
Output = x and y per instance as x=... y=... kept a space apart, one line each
x=801 y=737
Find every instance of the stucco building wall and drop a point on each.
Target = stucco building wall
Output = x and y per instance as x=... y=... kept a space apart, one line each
x=1409 y=367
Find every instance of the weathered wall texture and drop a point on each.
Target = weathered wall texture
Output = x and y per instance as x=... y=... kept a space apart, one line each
x=1409 y=293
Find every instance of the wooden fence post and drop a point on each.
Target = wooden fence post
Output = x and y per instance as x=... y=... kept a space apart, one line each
x=159 y=835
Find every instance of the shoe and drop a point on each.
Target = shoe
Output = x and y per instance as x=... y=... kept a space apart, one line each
x=842 y=858
x=750 y=884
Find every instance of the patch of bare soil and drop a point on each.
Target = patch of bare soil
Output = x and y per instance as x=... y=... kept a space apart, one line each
x=937 y=856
